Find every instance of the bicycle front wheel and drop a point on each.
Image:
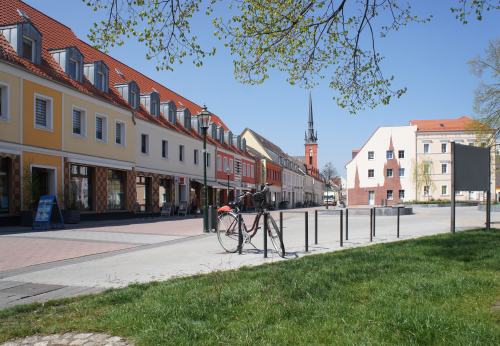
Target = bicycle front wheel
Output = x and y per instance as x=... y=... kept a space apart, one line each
x=227 y=231
x=275 y=235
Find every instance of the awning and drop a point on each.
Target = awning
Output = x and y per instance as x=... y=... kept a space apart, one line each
x=212 y=184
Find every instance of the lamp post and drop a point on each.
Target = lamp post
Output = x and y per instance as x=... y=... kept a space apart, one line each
x=228 y=171
x=205 y=117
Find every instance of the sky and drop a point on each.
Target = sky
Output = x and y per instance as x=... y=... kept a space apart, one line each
x=429 y=59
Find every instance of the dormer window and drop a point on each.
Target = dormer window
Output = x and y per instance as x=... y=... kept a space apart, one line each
x=71 y=61
x=130 y=92
x=184 y=117
x=133 y=99
x=25 y=39
x=98 y=73
x=151 y=101
x=169 y=111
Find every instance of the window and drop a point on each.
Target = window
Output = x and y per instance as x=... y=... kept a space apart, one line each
x=401 y=194
x=219 y=163
x=28 y=51
x=427 y=168
x=196 y=158
x=209 y=164
x=4 y=185
x=444 y=168
x=371 y=173
x=244 y=169
x=426 y=190
x=133 y=99
x=79 y=122
x=120 y=133
x=145 y=143
x=371 y=155
x=101 y=128
x=154 y=109
x=401 y=172
x=80 y=186
x=181 y=153
x=401 y=154
x=100 y=80
x=164 y=149
x=389 y=173
x=251 y=171
x=443 y=147
x=43 y=112
x=389 y=154
x=225 y=164
x=74 y=68
x=116 y=189
x=389 y=194
x=4 y=101
x=444 y=190
x=231 y=165
x=248 y=170
x=426 y=148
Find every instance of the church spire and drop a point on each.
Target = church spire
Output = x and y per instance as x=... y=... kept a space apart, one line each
x=311 y=138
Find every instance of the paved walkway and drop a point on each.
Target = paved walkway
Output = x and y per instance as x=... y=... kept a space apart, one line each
x=70 y=339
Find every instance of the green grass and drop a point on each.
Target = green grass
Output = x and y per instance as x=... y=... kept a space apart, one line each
x=440 y=290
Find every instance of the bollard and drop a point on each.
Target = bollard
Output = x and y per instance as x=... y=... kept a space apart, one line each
x=316 y=227
x=281 y=222
x=346 y=224
x=240 y=235
x=265 y=235
x=398 y=222
x=374 y=218
x=341 y=228
x=371 y=225
x=307 y=232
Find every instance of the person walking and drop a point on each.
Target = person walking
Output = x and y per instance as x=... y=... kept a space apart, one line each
x=194 y=205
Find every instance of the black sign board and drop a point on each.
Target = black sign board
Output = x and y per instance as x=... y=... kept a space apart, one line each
x=472 y=168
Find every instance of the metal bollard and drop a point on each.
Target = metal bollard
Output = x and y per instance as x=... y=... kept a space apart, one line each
x=240 y=235
x=307 y=231
x=374 y=222
x=316 y=227
x=398 y=222
x=346 y=224
x=341 y=228
x=371 y=225
x=265 y=235
x=281 y=222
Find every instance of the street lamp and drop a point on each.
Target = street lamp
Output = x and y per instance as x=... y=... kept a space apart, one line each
x=228 y=171
x=205 y=117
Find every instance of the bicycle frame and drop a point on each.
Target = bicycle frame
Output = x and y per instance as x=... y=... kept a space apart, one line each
x=255 y=225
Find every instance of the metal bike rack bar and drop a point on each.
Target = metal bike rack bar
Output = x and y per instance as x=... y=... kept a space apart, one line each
x=307 y=230
x=346 y=224
x=316 y=227
x=281 y=224
x=398 y=222
x=341 y=229
x=371 y=224
x=240 y=235
x=374 y=222
x=265 y=235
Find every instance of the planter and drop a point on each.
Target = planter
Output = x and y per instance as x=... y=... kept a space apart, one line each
x=27 y=218
x=71 y=216
x=493 y=207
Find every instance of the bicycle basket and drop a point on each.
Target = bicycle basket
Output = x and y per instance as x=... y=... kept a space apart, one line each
x=261 y=199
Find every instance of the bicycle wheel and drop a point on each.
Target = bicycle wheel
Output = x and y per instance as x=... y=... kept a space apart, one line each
x=275 y=235
x=227 y=231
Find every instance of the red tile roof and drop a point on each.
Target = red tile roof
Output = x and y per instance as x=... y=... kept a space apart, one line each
x=460 y=124
x=56 y=35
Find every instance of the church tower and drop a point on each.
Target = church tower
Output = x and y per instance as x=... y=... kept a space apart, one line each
x=311 y=146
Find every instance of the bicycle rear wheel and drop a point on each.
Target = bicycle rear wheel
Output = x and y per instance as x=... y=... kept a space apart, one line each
x=275 y=235
x=227 y=231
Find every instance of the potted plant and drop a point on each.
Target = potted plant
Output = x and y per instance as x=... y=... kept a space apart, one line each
x=71 y=211
x=32 y=192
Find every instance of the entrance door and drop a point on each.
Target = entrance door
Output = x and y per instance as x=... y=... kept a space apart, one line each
x=371 y=197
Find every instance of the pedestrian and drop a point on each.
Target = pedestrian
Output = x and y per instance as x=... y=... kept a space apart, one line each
x=194 y=205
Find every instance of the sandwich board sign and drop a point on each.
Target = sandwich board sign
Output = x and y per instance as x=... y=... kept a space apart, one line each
x=48 y=214
x=470 y=171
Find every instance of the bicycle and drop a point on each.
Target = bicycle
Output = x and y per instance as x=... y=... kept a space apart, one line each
x=227 y=223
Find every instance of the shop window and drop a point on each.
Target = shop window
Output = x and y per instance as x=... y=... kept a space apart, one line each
x=116 y=190
x=4 y=186
x=80 y=187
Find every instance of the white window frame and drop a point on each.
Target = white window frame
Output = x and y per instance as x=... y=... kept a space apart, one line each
x=399 y=194
x=373 y=158
x=123 y=139
x=49 y=115
x=231 y=165
x=387 y=154
x=225 y=164
x=196 y=157
x=392 y=195
x=33 y=48
x=427 y=190
x=373 y=171
x=444 y=146
x=426 y=145
x=182 y=153
x=244 y=169
x=444 y=190
x=251 y=170
x=164 y=145
x=399 y=172
x=104 y=128
x=387 y=173
x=103 y=80
x=219 y=163
x=77 y=69
x=399 y=154
x=147 y=143
x=133 y=99
x=83 y=121
x=444 y=166
x=5 y=112
x=209 y=164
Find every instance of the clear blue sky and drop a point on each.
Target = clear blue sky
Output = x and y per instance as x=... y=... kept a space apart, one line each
x=429 y=59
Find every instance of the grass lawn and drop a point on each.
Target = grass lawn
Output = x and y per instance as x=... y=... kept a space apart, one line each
x=439 y=290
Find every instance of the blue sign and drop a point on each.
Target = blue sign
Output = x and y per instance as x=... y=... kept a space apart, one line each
x=48 y=214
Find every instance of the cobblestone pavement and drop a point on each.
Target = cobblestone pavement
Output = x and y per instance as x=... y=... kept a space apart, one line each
x=70 y=339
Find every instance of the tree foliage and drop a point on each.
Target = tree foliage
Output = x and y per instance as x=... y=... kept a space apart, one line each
x=486 y=122
x=421 y=176
x=303 y=38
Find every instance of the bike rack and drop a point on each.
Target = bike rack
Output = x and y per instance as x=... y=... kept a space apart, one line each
x=306 y=227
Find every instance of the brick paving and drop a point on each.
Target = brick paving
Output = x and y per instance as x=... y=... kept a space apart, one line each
x=70 y=339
